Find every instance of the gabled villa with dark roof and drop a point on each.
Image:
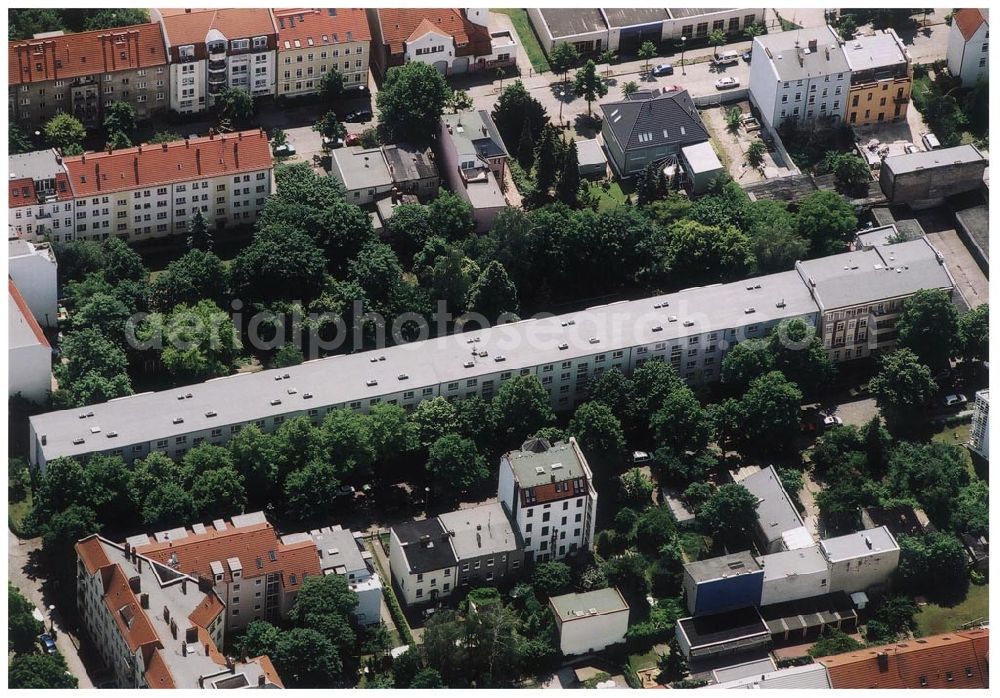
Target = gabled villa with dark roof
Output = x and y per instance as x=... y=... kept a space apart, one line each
x=650 y=127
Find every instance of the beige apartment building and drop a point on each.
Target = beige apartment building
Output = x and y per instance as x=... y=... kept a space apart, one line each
x=312 y=42
x=82 y=74
x=152 y=191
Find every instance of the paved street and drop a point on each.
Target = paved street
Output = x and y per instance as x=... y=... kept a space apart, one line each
x=21 y=574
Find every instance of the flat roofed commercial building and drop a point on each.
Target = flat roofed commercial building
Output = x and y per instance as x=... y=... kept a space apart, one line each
x=810 y=676
x=591 y=621
x=723 y=583
x=692 y=329
x=722 y=634
x=363 y=172
x=778 y=521
x=861 y=560
x=926 y=178
x=794 y=574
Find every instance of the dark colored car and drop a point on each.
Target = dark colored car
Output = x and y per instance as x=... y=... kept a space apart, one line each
x=663 y=69
x=746 y=55
x=47 y=643
x=360 y=116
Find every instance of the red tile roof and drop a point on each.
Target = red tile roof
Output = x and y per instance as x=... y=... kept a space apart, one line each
x=207 y=611
x=133 y=624
x=192 y=26
x=253 y=545
x=398 y=27
x=301 y=25
x=92 y=553
x=26 y=312
x=268 y=668
x=21 y=191
x=157 y=674
x=968 y=20
x=86 y=53
x=952 y=660
x=179 y=161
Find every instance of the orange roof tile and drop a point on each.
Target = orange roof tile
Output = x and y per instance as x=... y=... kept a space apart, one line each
x=267 y=666
x=26 y=312
x=301 y=25
x=184 y=27
x=952 y=660
x=21 y=192
x=179 y=161
x=398 y=27
x=86 y=53
x=207 y=611
x=133 y=624
x=253 y=545
x=92 y=553
x=157 y=673
x=968 y=20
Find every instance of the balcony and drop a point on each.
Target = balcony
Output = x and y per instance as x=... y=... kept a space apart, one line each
x=216 y=79
x=215 y=65
x=900 y=100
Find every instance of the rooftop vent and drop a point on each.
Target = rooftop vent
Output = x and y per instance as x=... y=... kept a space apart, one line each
x=499 y=357
x=275 y=401
x=749 y=310
x=539 y=470
x=112 y=434
x=563 y=346
x=292 y=391
x=77 y=442
x=373 y=360
x=594 y=340
x=307 y=396
x=780 y=304
x=402 y=376
x=469 y=364
x=371 y=382
x=671 y=318
x=211 y=413
x=688 y=323
x=178 y=420
x=95 y=430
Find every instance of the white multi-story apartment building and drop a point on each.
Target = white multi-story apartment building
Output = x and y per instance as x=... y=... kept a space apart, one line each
x=312 y=42
x=155 y=627
x=980 y=437
x=254 y=573
x=33 y=268
x=692 y=329
x=210 y=50
x=801 y=75
x=29 y=355
x=862 y=560
x=548 y=493
x=422 y=561
x=40 y=200
x=151 y=191
x=969 y=45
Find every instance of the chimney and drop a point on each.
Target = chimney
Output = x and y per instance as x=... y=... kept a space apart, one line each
x=127 y=549
x=140 y=148
x=812 y=44
x=883 y=661
x=187 y=142
x=135 y=168
x=197 y=159
x=97 y=174
x=135 y=584
x=164 y=147
x=144 y=601
x=261 y=680
x=239 y=136
x=191 y=634
x=184 y=586
x=236 y=154
x=206 y=649
x=166 y=614
x=184 y=649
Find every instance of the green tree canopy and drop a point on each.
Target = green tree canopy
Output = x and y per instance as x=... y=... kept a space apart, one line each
x=236 y=105
x=928 y=326
x=40 y=671
x=730 y=513
x=520 y=408
x=64 y=131
x=974 y=334
x=589 y=84
x=827 y=220
x=411 y=101
x=455 y=460
x=493 y=294
x=902 y=387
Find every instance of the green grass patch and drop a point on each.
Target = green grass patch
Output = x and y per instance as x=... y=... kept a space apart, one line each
x=18 y=510
x=958 y=435
x=640 y=662
x=934 y=619
x=694 y=545
x=526 y=34
x=613 y=196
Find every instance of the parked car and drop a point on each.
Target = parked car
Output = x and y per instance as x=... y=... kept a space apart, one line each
x=955 y=400
x=726 y=58
x=832 y=420
x=930 y=141
x=353 y=139
x=747 y=55
x=344 y=491
x=663 y=69
x=332 y=143
x=47 y=643
x=727 y=83
x=361 y=116
x=640 y=457
x=283 y=151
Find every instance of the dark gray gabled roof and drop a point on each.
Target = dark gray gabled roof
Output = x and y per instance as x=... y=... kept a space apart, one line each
x=426 y=545
x=663 y=119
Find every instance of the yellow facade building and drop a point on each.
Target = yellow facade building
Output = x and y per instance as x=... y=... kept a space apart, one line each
x=881 y=78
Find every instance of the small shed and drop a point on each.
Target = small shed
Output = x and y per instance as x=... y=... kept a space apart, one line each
x=591 y=158
x=702 y=165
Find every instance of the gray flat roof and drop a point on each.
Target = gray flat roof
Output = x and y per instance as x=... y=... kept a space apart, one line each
x=590 y=152
x=722 y=566
x=337 y=547
x=792 y=58
x=339 y=380
x=563 y=21
x=360 y=168
x=873 y=51
x=38 y=165
x=881 y=235
x=791 y=562
x=701 y=157
x=474 y=133
x=564 y=460
x=408 y=163
x=482 y=530
x=572 y=606
x=619 y=17
x=880 y=273
x=808 y=676
x=859 y=544
x=942 y=157
x=689 y=12
x=775 y=513
x=734 y=672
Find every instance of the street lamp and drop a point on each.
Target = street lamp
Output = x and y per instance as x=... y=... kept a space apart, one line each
x=683 y=44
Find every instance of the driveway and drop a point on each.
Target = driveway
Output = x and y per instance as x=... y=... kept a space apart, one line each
x=20 y=572
x=857 y=412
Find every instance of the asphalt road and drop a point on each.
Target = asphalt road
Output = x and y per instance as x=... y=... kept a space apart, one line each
x=18 y=559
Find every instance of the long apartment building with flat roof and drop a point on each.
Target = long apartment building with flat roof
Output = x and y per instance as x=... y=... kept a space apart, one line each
x=143 y=192
x=691 y=329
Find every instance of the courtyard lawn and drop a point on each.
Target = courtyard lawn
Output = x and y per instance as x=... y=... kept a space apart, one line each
x=17 y=511
x=934 y=619
x=958 y=435
x=648 y=660
x=526 y=33
x=611 y=198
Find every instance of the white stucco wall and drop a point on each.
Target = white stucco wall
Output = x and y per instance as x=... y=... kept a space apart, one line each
x=592 y=633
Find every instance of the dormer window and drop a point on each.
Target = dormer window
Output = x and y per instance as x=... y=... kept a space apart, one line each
x=260 y=42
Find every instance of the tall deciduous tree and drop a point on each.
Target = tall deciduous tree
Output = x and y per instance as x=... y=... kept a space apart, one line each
x=520 y=408
x=902 y=387
x=647 y=52
x=568 y=187
x=928 y=326
x=493 y=294
x=974 y=334
x=589 y=85
x=546 y=161
x=199 y=235
x=64 y=131
x=563 y=57
x=412 y=101
x=236 y=105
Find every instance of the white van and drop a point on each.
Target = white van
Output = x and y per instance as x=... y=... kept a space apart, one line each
x=727 y=58
x=931 y=141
